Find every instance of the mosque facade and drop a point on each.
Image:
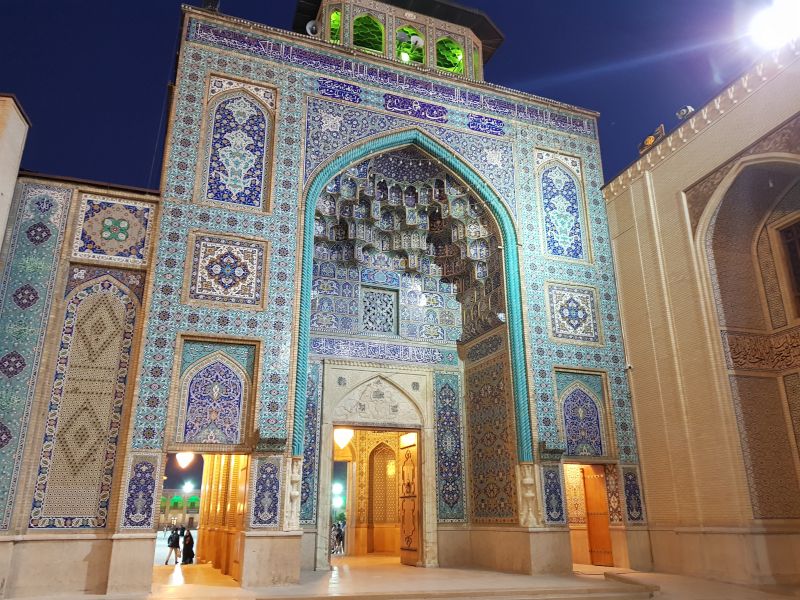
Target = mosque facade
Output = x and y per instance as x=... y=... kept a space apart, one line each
x=364 y=267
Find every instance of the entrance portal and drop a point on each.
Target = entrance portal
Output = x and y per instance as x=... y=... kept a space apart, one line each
x=589 y=526
x=375 y=501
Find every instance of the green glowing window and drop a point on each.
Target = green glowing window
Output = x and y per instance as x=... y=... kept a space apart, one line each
x=476 y=63
x=410 y=45
x=194 y=501
x=176 y=502
x=368 y=33
x=336 y=27
x=449 y=56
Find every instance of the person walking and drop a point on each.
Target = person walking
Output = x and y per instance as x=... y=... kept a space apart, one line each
x=174 y=545
x=188 y=548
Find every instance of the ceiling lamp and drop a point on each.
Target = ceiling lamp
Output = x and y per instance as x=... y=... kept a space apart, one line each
x=184 y=459
x=342 y=437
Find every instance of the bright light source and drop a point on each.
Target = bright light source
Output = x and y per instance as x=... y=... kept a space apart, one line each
x=337 y=489
x=188 y=487
x=775 y=26
x=184 y=459
x=342 y=437
x=408 y=439
x=391 y=468
x=405 y=57
x=338 y=502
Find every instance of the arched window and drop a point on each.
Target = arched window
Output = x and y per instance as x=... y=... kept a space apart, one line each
x=449 y=56
x=368 y=33
x=410 y=45
x=582 y=428
x=176 y=502
x=236 y=148
x=476 y=63
x=336 y=27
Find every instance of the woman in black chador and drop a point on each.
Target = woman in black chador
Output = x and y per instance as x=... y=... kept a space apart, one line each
x=188 y=548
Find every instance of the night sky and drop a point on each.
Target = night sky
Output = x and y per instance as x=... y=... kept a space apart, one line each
x=92 y=75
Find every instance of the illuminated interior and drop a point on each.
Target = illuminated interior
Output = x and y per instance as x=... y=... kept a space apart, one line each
x=368 y=33
x=336 y=27
x=406 y=50
x=449 y=56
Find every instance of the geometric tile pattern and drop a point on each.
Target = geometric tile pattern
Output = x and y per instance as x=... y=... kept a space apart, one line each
x=308 y=485
x=140 y=491
x=73 y=486
x=573 y=313
x=113 y=230
x=242 y=354
x=560 y=192
x=553 y=495
x=26 y=291
x=379 y=311
x=634 y=507
x=492 y=447
x=449 y=448
x=228 y=271
x=265 y=498
x=576 y=495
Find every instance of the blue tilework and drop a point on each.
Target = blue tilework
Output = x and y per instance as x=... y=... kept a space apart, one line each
x=308 y=485
x=634 y=507
x=563 y=219
x=35 y=231
x=265 y=503
x=449 y=447
x=140 y=497
x=553 y=495
x=194 y=350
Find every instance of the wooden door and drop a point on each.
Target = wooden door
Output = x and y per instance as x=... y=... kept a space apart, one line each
x=409 y=497
x=594 y=482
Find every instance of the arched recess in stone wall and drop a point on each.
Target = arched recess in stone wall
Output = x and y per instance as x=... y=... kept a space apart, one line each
x=502 y=215
x=378 y=402
x=214 y=403
x=739 y=247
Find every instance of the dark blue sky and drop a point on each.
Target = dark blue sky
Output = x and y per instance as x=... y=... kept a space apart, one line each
x=92 y=75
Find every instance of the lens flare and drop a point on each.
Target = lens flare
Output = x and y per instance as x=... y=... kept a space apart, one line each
x=777 y=25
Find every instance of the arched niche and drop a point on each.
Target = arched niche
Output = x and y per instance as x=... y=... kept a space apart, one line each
x=582 y=422
x=563 y=211
x=377 y=403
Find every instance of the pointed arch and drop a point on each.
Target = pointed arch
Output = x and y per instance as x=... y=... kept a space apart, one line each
x=213 y=402
x=382 y=485
x=237 y=142
x=378 y=402
x=582 y=420
x=511 y=272
x=563 y=211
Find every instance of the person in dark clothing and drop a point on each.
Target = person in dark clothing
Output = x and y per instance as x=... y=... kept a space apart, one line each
x=183 y=531
x=174 y=545
x=188 y=548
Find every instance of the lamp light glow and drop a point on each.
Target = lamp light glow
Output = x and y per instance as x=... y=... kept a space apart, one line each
x=342 y=437
x=188 y=487
x=404 y=56
x=337 y=489
x=338 y=502
x=408 y=439
x=184 y=459
x=776 y=25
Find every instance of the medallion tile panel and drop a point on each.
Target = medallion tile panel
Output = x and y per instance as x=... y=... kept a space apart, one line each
x=450 y=484
x=573 y=312
x=26 y=293
x=113 y=230
x=228 y=271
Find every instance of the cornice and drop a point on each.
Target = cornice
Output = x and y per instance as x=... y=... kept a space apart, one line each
x=394 y=64
x=770 y=65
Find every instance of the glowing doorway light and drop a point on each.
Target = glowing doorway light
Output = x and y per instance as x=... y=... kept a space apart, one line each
x=777 y=25
x=338 y=502
x=184 y=459
x=188 y=487
x=337 y=489
x=342 y=437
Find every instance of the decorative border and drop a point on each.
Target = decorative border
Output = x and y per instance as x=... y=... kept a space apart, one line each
x=634 y=502
x=458 y=513
x=378 y=350
x=309 y=486
x=555 y=512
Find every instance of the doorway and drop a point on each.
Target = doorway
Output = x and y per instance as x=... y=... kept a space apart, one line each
x=204 y=499
x=588 y=515
x=375 y=494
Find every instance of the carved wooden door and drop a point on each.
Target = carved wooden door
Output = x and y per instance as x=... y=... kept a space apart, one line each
x=594 y=482
x=409 y=497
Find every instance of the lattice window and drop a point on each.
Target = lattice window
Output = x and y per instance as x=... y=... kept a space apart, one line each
x=378 y=310
x=791 y=242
